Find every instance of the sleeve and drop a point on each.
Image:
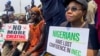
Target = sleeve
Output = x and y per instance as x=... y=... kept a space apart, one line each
x=50 y=8
x=93 y=39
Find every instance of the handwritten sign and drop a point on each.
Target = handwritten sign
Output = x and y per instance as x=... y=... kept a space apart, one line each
x=16 y=32
x=2 y=35
x=63 y=41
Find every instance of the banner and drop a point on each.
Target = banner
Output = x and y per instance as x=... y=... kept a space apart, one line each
x=16 y=32
x=63 y=41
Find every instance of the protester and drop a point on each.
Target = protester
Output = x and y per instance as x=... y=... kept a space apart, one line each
x=22 y=19
x=7 y=44
x=35 y=46
x=78 y=14
x=5 y=18
x=18 y=46
x=27 y=9
x=75 y=12
x=11 y=18
x=8 y=8
x=53 y=13
x=32 y=4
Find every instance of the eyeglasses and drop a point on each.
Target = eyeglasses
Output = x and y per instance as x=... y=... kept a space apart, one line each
x=73 y=9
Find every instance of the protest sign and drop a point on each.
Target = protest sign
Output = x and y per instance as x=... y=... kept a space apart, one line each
x=16 y=32
x=1 y=38
x=63 y=41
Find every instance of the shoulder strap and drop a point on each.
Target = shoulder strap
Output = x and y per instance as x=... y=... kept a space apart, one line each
x=86 y=25
x=64 y=24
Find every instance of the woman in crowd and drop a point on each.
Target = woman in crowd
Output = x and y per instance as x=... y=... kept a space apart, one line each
x=75 y=15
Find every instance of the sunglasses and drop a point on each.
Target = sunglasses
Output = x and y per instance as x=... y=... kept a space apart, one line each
x=73 y=9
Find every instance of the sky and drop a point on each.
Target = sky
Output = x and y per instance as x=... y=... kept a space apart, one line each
x=16 y=5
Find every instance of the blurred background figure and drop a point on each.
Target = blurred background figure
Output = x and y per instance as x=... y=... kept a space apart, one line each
x=8 y=8
x=27 y=9
x=32 y=4
x=22 y=19
x=91 y=12
x=5 y=18
x=11 y=18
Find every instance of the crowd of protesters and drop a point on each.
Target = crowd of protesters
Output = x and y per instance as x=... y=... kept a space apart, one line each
x=64 y=13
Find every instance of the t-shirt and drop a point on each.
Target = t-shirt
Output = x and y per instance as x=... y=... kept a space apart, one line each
x=93 y=39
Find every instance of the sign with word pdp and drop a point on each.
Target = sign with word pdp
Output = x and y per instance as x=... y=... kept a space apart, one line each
x=63 y=41
x=16 y=32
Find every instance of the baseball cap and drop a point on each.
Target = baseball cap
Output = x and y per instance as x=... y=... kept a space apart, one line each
x=84 y=3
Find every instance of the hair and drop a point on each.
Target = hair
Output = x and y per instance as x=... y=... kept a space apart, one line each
x=6 y=19
x=23 y=16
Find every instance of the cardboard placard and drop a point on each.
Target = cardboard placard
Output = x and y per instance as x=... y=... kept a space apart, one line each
x=16 y=32
x=63 y=41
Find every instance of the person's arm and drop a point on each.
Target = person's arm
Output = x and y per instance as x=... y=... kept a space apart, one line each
x=93 y=44
x=92 y=52
x=25 y=46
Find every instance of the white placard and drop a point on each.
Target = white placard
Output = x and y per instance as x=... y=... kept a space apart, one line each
x=63 y=41
x=16 y=32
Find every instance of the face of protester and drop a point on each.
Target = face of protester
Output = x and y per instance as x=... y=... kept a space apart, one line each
x=5 y=19
x=11 y=17
x=22 y=20
x=34 y=16
x=74 y=12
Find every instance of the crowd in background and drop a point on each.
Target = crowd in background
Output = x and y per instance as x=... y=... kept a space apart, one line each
x=51 y=13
